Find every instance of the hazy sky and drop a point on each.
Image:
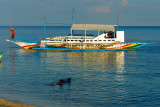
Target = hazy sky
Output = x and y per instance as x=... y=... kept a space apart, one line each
x=31 y=12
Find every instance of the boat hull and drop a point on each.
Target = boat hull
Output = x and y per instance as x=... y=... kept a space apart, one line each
x=115 y=47
x=78 y=46
x=96 y=46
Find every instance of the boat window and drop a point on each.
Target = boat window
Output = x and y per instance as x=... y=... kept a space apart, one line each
x=113 y=40
x=91 y=40
x=68 y=40
x=100 y=40
x=95 y=40
x=71 y=40
x=75 y=40
x=104 y=40
x=109 y=40
x=87 y=40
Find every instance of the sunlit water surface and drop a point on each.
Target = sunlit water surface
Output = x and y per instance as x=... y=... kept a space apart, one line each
x=109 y=78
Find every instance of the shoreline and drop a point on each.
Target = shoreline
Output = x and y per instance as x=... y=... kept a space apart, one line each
x=5 y=103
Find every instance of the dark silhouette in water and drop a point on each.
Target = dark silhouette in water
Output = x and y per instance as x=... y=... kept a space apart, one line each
x=61 y=82
x=67 y=81
x=156 y=73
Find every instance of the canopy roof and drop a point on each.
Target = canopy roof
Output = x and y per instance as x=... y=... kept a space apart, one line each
x=97 y=27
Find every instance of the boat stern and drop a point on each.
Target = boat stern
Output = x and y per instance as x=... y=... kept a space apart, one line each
x=119 y=36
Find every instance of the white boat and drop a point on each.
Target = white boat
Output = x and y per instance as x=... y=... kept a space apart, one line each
x=107 y=39
x=110 y=39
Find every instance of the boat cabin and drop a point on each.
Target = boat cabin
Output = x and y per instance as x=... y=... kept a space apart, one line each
x=109 y=35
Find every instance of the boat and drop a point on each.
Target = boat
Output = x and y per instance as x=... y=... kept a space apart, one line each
x=107 y=39
x=110 y=39
x=1 y=54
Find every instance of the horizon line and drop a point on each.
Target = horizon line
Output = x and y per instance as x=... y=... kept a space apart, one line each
x=69 y=25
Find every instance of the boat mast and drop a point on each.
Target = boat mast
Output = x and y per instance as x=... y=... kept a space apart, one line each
x=72 y=21
x=44 y=26
x=117 y=21
x=73 y=16
x=117 y=27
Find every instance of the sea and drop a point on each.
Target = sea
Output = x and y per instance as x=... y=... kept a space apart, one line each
x=129 y=78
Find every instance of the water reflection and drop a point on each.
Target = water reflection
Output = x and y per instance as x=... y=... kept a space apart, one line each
x=120 y=62
x=26 y=50
x=0 y=65
x=107 y=61
x=13 y=61
x=101 y=61
x=105 y=69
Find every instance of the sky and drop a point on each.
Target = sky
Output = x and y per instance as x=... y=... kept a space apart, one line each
x=31 y=12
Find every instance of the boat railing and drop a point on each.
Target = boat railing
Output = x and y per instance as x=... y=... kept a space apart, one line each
x=71 y=37
x=80 y=37
x=58 y=38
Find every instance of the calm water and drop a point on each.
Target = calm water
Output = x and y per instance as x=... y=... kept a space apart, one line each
x=123 y=78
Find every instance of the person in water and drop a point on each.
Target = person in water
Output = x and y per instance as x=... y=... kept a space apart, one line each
x=13 y=34
x=61 y=82
x=68 y=80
